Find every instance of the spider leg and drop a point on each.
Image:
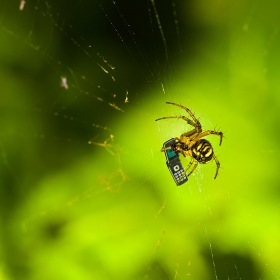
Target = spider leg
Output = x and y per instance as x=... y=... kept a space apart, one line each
x=179 y=117
x=191 y=134
x=169 y=148
x=195 y=166
x=218 y=165
x=189 y=165
x=164 y=149
x=205 y=133
x=189 y=112
x=186 y=169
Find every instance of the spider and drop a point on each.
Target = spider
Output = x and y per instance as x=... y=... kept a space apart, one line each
x=191 y=143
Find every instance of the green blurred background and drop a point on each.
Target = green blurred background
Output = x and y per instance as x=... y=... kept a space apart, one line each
x=110 y=210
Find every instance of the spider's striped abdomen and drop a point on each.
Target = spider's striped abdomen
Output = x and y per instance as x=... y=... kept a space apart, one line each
x=202 y=151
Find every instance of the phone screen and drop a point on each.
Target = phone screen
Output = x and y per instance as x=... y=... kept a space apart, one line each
x=171 y=154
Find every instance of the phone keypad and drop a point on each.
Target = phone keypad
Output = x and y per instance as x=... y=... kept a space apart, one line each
x=178 y=173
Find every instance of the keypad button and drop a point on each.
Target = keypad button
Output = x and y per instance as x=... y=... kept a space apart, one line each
x=176 y=168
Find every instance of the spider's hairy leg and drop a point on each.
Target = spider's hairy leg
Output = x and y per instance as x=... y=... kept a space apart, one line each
x=218 y=165
x=169 y=148
x=180 y=117
x=208 y=132
x=189 y=112
x=195 y=166
x=189 y=165
x=186 y=169
x=191 y=134
x=164 y=149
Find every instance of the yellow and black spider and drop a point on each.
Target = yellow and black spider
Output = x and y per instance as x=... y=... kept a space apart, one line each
x=191 y=144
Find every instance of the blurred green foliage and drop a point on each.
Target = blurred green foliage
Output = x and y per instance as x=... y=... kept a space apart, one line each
x=70 y=210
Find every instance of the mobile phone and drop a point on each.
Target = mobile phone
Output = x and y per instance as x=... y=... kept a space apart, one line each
x=174 y=164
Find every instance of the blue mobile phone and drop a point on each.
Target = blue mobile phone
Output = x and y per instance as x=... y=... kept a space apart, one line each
x=174 y=164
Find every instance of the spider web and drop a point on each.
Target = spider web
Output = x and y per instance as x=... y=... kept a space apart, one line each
x=85 y=191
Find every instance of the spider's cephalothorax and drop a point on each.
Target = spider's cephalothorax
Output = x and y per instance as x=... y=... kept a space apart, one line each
x=191 y=144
